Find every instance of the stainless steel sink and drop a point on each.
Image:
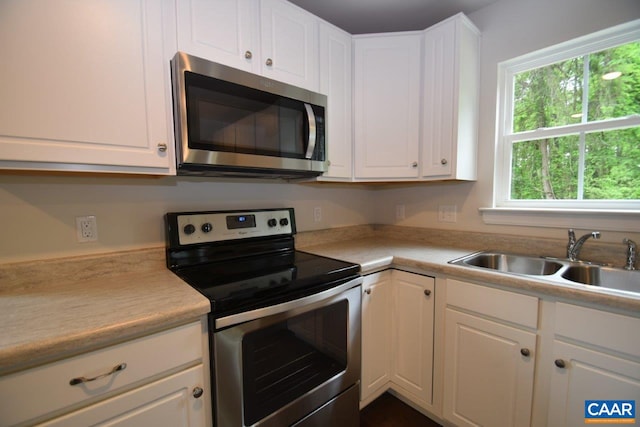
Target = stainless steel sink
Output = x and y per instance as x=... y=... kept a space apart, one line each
x=607 y=277
x=556 y=270
x=512 y=263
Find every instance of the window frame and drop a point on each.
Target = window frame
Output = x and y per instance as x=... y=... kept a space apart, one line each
x=505 y=138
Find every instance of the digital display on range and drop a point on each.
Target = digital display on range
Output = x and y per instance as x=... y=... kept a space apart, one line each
x=241 y=221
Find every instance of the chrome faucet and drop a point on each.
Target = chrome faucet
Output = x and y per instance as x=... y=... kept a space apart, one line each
x=574 y=246
x=631 y=254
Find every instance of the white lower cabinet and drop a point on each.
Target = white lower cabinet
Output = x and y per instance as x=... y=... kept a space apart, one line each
x=397 y=336
x=596 y=356
x=490 y=348
x=160 y=379
x=376 y=335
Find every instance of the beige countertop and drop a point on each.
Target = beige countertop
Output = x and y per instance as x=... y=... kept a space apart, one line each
x=377 y=253
x=50 y=310
x=54 y=309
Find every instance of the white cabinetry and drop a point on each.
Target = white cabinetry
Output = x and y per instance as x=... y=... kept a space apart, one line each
x=412 y=336
x=335 y=82
x=450 y=96
x=155 y=380
x=387 y=71
x=490 y=349
x=273 y=38
x=376 y=335
x=596 y=356
x=85 y=86
x=397 y=336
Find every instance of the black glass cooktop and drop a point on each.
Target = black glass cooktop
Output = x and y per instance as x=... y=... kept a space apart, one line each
x=248 y=283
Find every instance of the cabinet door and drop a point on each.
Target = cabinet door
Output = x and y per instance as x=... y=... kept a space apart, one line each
x=289 y=44
x=450 y=115
x=85 y=86
x=335 y=82
x=588 y=375
x=223 y=31
x=489 y=371
x=172 y=401
x=412 y=336
x=376 y=334
x=387 y=106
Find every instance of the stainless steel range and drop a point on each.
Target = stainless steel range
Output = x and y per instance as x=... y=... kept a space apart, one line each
x=284 y=325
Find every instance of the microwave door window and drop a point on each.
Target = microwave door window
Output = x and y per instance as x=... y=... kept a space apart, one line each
x=292 y=128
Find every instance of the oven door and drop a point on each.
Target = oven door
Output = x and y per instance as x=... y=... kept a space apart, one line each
x=276 y=369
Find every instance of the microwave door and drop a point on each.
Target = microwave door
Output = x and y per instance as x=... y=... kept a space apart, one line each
x=311 y=139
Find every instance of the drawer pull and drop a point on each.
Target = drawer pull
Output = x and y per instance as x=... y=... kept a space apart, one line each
x=82 y=380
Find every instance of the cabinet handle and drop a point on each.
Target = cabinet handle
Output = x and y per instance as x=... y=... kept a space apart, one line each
x=414 y=164
x=367 y=291
x=560 y=363
x=427 y=292
x=269 y=62
x=525 y=352
x=162 y=147
x=444 y=161
x=81 y=380
x=248 y=54
x=197 y=392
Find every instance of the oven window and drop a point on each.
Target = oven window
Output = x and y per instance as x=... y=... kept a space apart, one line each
x=223 y=116
x=284 y=361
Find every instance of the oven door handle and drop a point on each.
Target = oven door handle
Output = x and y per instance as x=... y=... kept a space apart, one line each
x=259 y=313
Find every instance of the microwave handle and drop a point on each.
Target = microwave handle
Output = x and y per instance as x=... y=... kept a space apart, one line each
x=311 y=117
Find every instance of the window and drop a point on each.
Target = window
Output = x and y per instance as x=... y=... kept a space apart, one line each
x=569 y=133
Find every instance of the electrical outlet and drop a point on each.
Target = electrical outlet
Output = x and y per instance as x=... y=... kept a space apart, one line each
x=86 y=228
x=317 y=214
x=399 y=212
x=447 y=213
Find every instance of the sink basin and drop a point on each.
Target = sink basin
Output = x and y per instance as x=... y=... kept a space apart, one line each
x=517 y=264
x=623 y=280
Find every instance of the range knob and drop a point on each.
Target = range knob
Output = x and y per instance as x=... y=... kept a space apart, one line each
x=206 y=227
x=189 y=229
x=272 y=222
x=284 y=222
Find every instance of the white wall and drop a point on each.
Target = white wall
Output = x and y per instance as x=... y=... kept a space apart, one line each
x=510 y=28
x=37 y=213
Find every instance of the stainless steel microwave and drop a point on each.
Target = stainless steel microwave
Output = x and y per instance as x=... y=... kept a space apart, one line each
x=232 y=123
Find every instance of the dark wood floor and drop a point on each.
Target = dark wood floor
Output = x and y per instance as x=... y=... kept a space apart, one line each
x=388 y=411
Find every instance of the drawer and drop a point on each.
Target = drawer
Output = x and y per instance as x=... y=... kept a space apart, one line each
x=504 y=305
x=601 y=328
x=38 y=391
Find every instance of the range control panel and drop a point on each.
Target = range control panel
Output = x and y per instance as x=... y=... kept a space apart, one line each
x=207 y=227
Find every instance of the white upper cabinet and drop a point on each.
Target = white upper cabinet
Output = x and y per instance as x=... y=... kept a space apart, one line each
x=450 y=96
x=85 y=86
x=335 y=82
x=223 y=31
x=387 y=105
x=273 y=38
x=289 y=44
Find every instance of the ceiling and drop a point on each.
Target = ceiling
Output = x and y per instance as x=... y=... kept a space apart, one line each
x=380 y=16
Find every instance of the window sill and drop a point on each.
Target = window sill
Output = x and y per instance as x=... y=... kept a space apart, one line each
x=611 y=220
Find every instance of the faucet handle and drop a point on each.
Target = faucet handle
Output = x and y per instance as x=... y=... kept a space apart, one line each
x=631 y=254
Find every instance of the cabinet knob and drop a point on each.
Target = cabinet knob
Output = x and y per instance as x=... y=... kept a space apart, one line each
x=197 y=392
x=162 y=147
x=367 y=291
x=414 y=164
x=444 y=161
x=427 y=292
x=560 y=363
x=525 y=352
x=248 y=54
x=269 y=62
